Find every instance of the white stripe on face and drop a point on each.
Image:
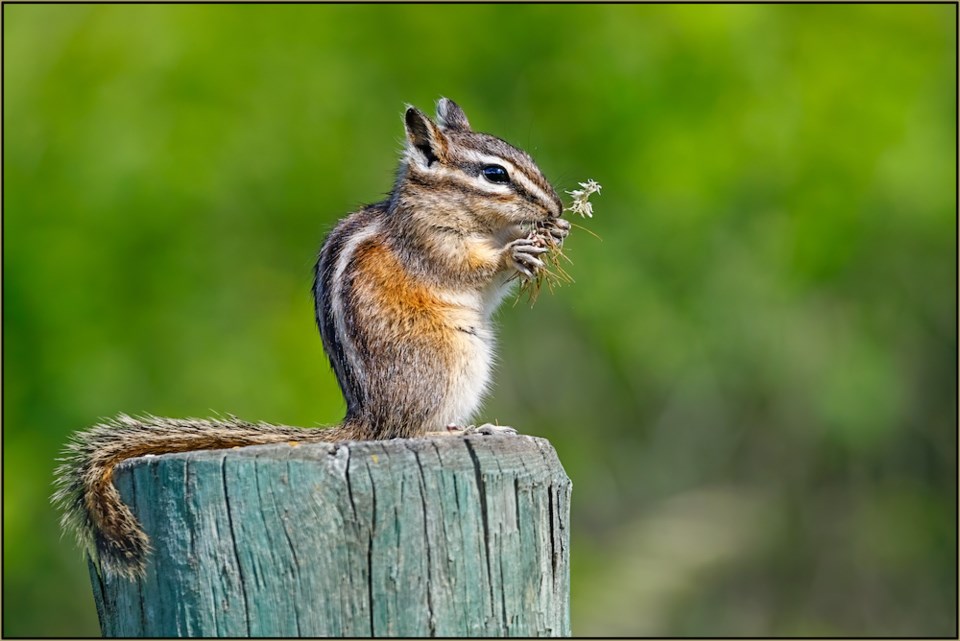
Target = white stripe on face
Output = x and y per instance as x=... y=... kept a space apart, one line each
x=441 y=173
x=479 y=182
x=516 y=174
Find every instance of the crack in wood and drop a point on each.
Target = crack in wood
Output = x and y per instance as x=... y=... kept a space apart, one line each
x=233 y=541
x=482 y=491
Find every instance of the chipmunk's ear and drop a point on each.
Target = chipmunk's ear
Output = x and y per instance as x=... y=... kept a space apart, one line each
x=451 y=116
x=424 y=139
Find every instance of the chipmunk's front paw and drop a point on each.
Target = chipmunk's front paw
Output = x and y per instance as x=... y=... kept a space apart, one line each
x=523 y=254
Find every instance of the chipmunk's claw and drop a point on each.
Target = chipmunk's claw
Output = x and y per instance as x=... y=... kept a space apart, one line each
x=523 y=256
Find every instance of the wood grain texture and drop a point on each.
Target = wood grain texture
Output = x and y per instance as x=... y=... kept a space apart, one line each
x=446 y=536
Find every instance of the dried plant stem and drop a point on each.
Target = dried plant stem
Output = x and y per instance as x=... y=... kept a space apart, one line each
x=586 y=230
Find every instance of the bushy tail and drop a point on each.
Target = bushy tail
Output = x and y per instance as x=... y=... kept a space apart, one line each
x=90 y=502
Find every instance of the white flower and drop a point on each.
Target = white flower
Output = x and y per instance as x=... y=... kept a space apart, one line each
x=591 y=186
x=581 y=198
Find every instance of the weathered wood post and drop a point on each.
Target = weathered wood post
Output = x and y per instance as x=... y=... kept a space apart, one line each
x=446 y=536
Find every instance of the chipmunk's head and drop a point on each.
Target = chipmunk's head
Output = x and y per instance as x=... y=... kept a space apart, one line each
x=475 y=172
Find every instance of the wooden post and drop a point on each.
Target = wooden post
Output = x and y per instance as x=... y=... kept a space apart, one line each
x=446 y=536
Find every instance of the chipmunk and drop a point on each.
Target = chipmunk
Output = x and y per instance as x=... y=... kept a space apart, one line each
x=404 y=291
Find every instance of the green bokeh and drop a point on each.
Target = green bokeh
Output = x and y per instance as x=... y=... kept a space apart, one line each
x=752 y=383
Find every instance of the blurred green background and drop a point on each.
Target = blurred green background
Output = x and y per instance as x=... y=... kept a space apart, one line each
x=752 y=383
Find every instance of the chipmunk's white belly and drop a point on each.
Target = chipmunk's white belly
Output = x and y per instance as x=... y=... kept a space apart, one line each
x=471 y=379
x=471 y=367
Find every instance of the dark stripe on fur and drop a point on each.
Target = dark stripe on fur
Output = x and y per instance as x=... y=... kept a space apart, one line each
x=323 y=304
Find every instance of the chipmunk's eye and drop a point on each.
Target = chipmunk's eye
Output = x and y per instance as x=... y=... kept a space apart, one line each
x=495 y=174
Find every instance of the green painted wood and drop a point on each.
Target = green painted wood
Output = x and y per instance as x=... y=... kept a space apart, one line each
x=446 y=536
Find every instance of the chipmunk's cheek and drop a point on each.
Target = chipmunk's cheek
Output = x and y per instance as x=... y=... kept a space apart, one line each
x=529 y=213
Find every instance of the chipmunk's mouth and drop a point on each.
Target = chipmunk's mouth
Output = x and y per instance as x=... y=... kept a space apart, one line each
x=525 y=227
x=518 y=229
x=531 y=222
x=534 y=222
